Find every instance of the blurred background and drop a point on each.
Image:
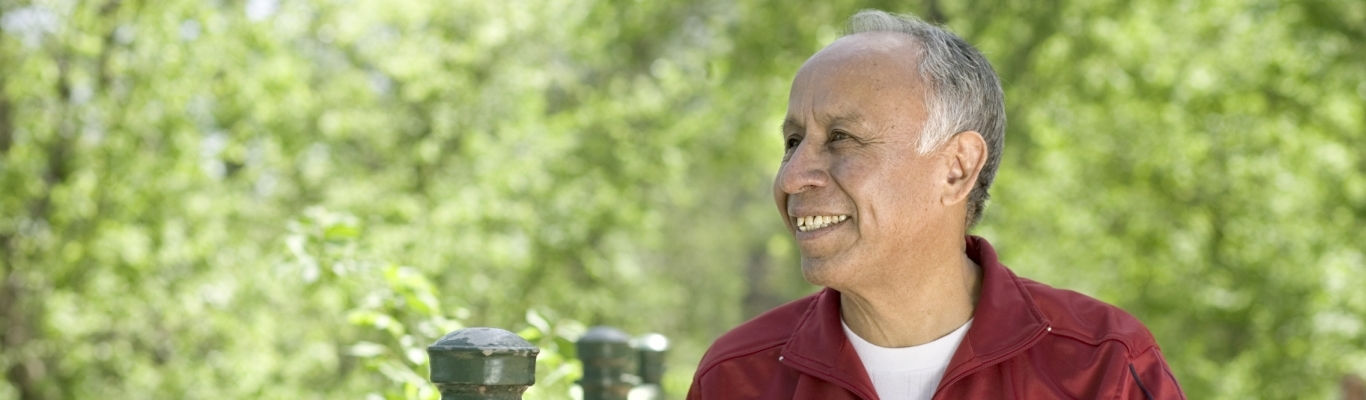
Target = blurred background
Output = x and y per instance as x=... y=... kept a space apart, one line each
x=292 y=198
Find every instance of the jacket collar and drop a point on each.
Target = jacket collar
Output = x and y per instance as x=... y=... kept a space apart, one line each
x=1005 y=321
x=818 y=347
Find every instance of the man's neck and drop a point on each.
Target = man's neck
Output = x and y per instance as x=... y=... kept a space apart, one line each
x=922 y=305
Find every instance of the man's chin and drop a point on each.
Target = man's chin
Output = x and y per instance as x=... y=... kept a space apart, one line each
x=824 y=272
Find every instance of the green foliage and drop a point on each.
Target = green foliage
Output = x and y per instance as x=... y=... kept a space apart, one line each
x=266 y=199
x=399 y=312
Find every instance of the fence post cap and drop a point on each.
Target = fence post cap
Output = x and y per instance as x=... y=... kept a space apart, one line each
x=652 y=342
x=487 y=340
x=609 y=363
x=482 y=358
x=604 y=334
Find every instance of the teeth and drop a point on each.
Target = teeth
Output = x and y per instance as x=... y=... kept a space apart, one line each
x=814 y=222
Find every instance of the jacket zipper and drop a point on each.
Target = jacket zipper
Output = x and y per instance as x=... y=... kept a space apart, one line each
x=1037 y=336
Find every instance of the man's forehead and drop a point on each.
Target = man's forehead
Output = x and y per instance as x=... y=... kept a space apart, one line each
x=835 y=85
x=868 y=46
x=868 y=61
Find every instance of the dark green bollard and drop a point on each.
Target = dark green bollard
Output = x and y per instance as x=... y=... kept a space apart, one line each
x=651 y=348
x=482 y=363
x=609 y=364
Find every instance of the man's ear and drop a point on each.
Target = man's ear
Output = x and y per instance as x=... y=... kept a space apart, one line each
x=966 y=153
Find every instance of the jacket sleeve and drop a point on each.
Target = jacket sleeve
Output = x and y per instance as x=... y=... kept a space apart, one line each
x=695 y=391
x=1150 y=378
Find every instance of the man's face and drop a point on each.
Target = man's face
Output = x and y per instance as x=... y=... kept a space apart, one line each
x=853 y=120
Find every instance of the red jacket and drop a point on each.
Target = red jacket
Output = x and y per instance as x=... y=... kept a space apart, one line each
x=1027 y=341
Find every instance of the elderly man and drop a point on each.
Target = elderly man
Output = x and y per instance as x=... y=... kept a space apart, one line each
x=893 y=135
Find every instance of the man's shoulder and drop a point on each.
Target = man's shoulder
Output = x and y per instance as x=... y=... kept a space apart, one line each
x=764 y=332
x=1088 y=320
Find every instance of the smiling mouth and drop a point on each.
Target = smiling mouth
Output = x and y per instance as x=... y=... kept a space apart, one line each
x=811 y=223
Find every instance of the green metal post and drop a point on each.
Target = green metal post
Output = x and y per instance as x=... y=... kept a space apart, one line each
x=609 y=364
x=651 y=348
x=482 y=364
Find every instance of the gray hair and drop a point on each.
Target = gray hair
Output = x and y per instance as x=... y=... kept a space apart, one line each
x=964 y=95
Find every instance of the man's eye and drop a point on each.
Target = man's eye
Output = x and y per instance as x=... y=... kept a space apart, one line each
x=838 y=136
x=791 y=143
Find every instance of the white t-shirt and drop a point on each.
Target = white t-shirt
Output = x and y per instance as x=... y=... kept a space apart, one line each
x=907 y=373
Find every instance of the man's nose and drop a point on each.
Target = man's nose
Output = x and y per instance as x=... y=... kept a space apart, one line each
x=808 y=168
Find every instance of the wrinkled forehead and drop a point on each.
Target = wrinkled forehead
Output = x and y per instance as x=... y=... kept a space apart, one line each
x=858 y=73
x=885 y=43
x=893 y=51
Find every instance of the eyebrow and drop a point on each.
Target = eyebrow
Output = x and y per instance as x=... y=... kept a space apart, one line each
x=789 y=124
x=853 y=118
